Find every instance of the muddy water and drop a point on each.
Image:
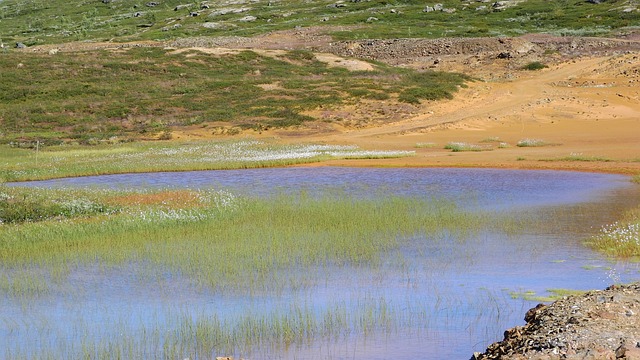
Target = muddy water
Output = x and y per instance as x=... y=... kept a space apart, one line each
x=452 y=297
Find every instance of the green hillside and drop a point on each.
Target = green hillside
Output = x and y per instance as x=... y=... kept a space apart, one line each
x=52 y=21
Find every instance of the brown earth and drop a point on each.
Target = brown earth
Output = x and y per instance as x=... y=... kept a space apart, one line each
x=585 y=105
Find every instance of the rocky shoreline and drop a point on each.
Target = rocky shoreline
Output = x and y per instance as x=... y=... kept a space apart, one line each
x=595 y=325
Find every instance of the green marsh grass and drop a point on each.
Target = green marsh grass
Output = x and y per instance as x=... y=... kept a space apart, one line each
x=65 y=161
x=227 y=245
x=256 y=233
x=621 y=238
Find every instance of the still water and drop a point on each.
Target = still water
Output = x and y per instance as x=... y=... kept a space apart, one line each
x=452 y=298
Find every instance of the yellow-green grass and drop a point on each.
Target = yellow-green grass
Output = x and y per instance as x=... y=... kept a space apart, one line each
x=619 y=239
x=222 y=242
x=67 y=161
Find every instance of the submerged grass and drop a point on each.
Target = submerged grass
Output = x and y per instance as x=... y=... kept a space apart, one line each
x=268 y=239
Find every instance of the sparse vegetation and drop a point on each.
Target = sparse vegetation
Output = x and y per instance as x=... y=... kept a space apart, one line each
x=535 y=65
x=425 y=145
x=580 y=157
x=532 y=143
x=462 y=146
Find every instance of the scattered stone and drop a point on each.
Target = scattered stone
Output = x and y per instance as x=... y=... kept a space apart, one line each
x=248 y=18
x=182 y=7
x=576 y=327
x=226 y=11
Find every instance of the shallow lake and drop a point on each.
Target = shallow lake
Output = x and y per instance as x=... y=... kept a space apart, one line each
x=453 y=297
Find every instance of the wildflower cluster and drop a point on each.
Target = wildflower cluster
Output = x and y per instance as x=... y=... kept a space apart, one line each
x=461 y=146
x=531 y=143
x=620 y=233
x=178 y=215
x=214 y=203
x=81 y=206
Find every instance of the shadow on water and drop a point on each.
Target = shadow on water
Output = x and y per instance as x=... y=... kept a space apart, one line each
x=442 y=297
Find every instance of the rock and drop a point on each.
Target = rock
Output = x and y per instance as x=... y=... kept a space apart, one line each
x=500 y=5
x=152 y=4
x=53 y=51
x=595 y=1
x=429 y=9
x=20 y=45
x=137 y=14
x=574 y=328
x=181 y=7
x=194 y=13
x=339 y=4
x=531 y=314
x=438 y=7
x=372 y=19
x=226 y=11
x=248 y=18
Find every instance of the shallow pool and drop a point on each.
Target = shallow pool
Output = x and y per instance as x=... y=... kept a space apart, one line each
x=450 y=298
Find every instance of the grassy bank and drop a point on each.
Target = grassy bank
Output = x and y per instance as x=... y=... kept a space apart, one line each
x=620 y=239
x=18 y=164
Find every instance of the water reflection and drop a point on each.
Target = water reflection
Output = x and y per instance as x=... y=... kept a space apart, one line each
x=449 y=296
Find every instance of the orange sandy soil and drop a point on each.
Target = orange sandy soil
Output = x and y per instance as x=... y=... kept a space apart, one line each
x=587 y=108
